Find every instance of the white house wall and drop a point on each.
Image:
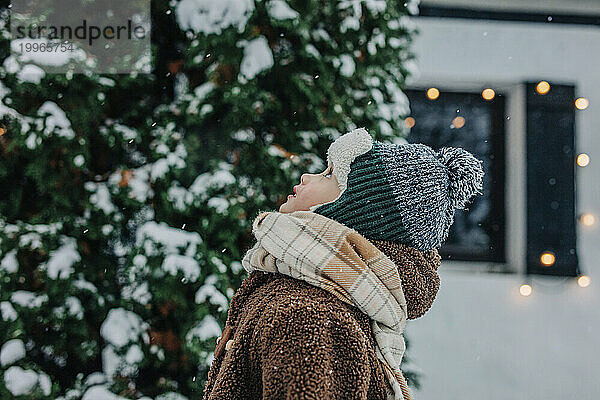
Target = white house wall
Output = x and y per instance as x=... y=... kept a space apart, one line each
x=482 y=339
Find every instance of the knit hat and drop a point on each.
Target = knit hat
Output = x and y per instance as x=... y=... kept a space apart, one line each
x=402 y=193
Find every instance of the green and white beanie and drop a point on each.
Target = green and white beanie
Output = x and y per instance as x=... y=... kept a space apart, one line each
x=403 y=193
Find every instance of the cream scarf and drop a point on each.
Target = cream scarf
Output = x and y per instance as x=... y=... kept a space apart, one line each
x=308 y=246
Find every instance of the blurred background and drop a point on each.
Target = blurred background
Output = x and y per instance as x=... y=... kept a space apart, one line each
x=131 y=175
x=515 y=82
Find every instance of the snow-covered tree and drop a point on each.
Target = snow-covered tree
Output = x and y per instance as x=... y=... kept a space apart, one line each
x=128 y=198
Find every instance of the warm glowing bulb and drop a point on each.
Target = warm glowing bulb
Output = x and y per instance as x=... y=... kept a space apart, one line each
x=588 y=219
x=525 y=289
x=547 y=258
x=433 y=93
x=458 y=122
x=583 y=160
x=2 y=130
x=582 y=103
x=543 y=87
x=409 y=122
x=584 y=281
x=488 y=94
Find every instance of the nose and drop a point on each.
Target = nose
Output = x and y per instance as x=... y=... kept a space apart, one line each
x=303 y=178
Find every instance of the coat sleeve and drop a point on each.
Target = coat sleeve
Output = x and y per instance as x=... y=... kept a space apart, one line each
x=309 y=351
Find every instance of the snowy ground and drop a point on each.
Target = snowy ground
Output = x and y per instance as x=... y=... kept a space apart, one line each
x=483 y=340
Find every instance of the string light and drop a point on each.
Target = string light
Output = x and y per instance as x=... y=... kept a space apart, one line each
x=409 y=122
x=488 y=94
x=525 y=289
x=582 y=103
x=458 y=122
x=583 y=160
x=433 y=93
x=583 y=281
x=547 y=258
x=588 y=219
x=542 y=87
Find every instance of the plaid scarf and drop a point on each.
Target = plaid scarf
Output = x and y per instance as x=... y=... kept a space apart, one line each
x=332 y=256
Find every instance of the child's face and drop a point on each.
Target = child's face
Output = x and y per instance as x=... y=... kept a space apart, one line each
x=313 y=189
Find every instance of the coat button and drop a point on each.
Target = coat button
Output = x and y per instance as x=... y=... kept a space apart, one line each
x=228 y=344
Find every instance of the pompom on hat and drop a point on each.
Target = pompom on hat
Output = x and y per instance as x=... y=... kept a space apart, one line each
x=404 y=193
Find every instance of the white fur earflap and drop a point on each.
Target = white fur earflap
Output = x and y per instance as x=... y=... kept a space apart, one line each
x=342 y=152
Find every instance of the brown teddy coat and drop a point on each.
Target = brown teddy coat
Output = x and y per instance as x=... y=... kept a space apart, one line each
x=287 y=339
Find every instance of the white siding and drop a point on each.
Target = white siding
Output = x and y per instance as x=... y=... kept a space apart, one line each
x=481 y=339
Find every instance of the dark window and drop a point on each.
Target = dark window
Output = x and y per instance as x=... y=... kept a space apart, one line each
x=466 y=120
x=551 y=220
